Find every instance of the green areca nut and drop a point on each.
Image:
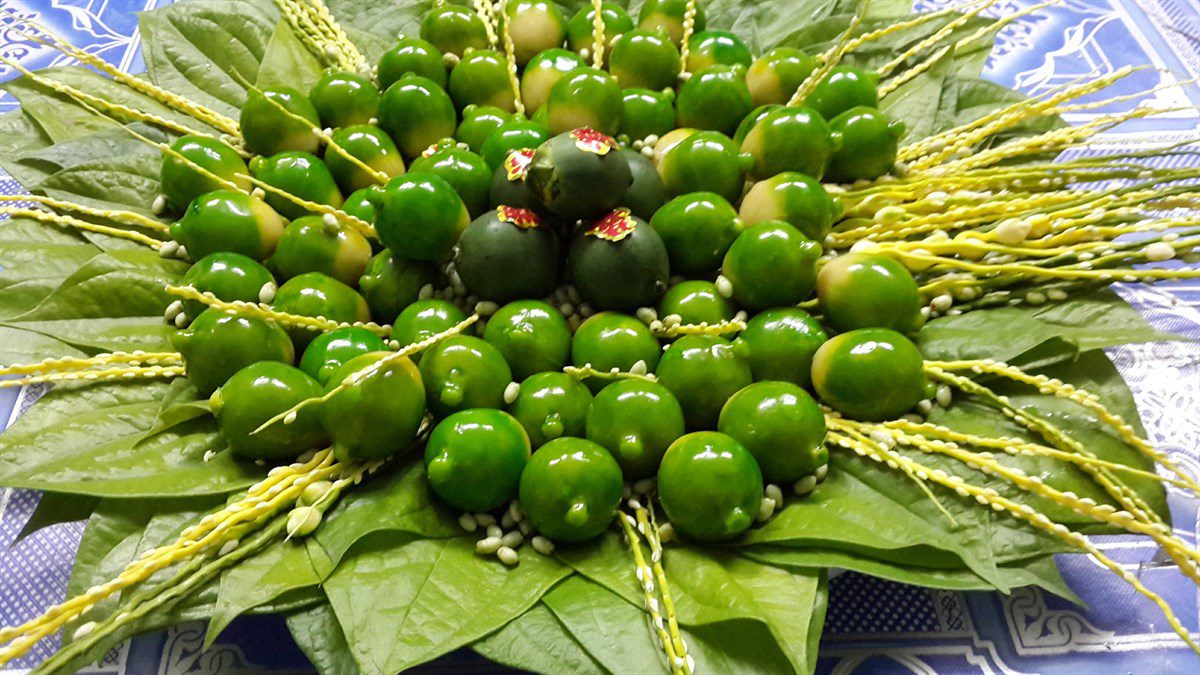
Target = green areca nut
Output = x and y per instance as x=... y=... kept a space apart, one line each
x=417 y=113
x=465 y=171
x=267 y=130
x=474 y=459
x=581 y=29
x=771 y=264
x=610 y=340
x=794 y=198
x=710 y=486
x=343 y=99
x=869 y=145
x=646 y=113
x=369 y=145
x=645 y=59
x=510 y=137
x=704 y=161
x=845 y=87
x=463 y=372
x=181 y=183
x=869 y=290
x=714 y=99
x=217 y=345
x=481 y=78
x=376 y=415
x=453 y=29
x=423 y=319
x=636 y=421
x=702 y=372
x=419 y=216
x=779 y=344
x=508 y=253
x=551 y=405
x=579 y=174
x=389 y=284
x=310 y=244
x=229 y=221
x=697 y=229
x=534 y=26
x=776 y=75
x=584 y=97
x=411 y=55
x=717 y=47
x=619 y=263
x=781 y=425
x=318 y=295
x=669 y=16
x=532 y=336
x=869 y=374
x=230 y=277
x=300 y=174
x=328 y=352
x=478 y=122
x=695 y=302
x=542 y=72
x=257 y=393
x=791 y=139
x=570 y=489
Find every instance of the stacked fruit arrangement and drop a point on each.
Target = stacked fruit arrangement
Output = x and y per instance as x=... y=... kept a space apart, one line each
x=596 y=267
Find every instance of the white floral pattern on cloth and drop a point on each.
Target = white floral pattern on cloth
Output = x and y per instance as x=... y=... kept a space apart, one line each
x=873 y=625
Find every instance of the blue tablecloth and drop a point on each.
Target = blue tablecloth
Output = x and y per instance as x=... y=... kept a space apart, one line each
x=872 y=626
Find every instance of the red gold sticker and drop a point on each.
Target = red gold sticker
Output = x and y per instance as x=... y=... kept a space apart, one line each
x=522 y=218
x=613 y=227
x=590 y=140
x=516 y=165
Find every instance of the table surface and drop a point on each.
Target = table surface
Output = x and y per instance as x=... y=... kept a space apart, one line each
x=872 y=625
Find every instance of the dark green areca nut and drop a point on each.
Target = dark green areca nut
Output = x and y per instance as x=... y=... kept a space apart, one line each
x=411 y=55
x=584 y=97
x=779 y=345
x=229 y=221
x=359 y=205
x=389 y=284
x=481 y=78
x=647 y=113
x=511 y=137
x=794 y=198
x=610 y=340
x=315 y=294
x=636 y=421
x=781 y=425
x=868 y=290
x=310 y=244
x=542 y=72
x=377 y=415
x=705 y=161
x=702 y=372
x=570 y=489
x=791 y=139
x=465 y=171
x=300 y=174
x=425 y=318
x=717 y=47
x=697 y=229
x=532 y=336
x=463 y=372
x=869 y=145
x=619 y=263
x=668 y=16
x=229 y=276
x=330 y=351
x=551 y=405
x=474 y=459
x=710 y=486
x=579 y=174
x=534 y=26
x=453 y=29
x=695 y=302
x=581 y=28
x=417 y=113
x=217 y=345
x=371 y=146
x=419 y=216
x=771 y=264
x=508 y=254
x=645 y=195
x=267 y=130
x=776 y=75
x=181 y=183
x=508 y=183
x=869 y=374
x=343 y=99
x=845 y=87
x=645 y=59
x=253 y=396
x=753 y=119
x=478 y=122
x=714 y=99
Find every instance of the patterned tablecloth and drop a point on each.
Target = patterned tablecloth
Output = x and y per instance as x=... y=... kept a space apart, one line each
x=872 y=626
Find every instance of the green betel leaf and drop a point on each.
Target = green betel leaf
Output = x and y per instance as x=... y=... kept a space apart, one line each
x=123 y=183
x=402 y=602
x=918 y=101
x=54 y=508
x=539 y=642
x=19 y=134
x=194 y=48
x=385 y=20
x=287 y=62
x=319 y=635
x=90 y=439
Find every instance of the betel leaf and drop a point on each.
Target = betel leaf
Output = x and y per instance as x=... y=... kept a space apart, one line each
x=537 y=641
x=89 y=439
x=19 y=134
x=287 y=62
x=195 y=48
x=54 y=508
x=917 y=101
x=319 y=635
x=123 y=183
x=385 y=20
x=402 y=602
